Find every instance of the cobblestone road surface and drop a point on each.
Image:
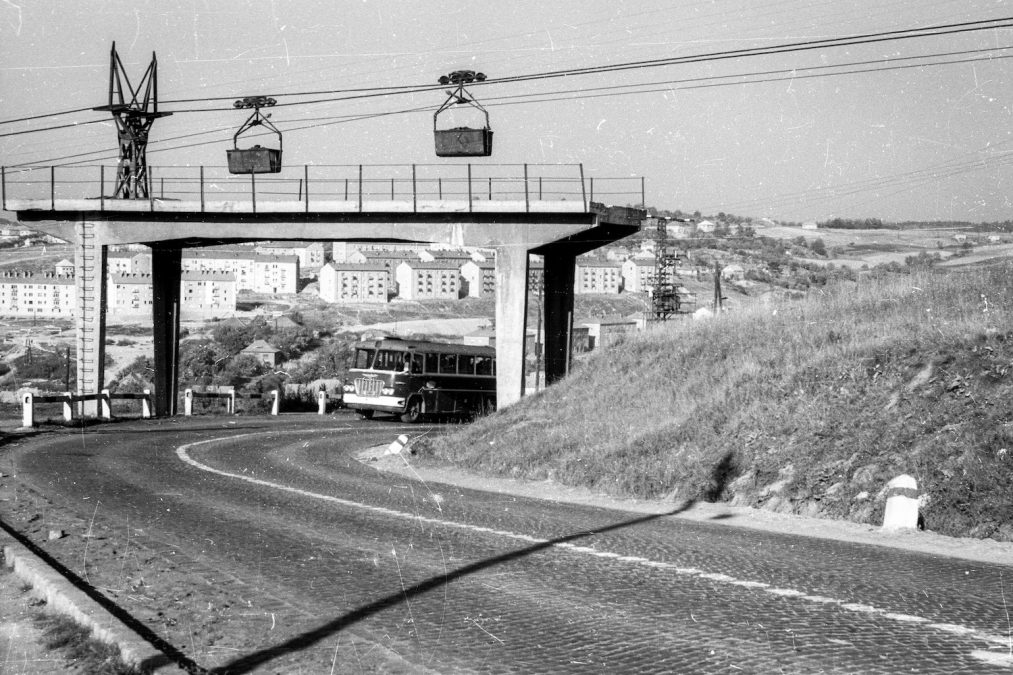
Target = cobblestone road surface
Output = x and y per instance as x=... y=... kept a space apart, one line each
x=335 y=560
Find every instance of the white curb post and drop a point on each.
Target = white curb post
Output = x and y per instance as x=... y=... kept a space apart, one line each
x=232 y=402
x=321 y=402
x=276 y=406
x=28 y=410
x=68 y=408
x=397 y=446
x=146 y=404
x=188 y=402
x=901 y=504
x=105 y=402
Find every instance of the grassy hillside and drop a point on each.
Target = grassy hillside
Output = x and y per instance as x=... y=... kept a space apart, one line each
x=809 y=406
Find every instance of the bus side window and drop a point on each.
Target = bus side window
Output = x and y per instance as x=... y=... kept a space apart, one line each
x=432 y=363
x=483 y=365
x=448 y=363
x=363 y=357
x=413 y=363
x=466 y=364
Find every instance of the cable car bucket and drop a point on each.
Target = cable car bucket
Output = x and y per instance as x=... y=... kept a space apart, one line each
x=257 y=159
x=462 y=141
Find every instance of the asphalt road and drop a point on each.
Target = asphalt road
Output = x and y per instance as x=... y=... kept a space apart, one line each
x=360 y=570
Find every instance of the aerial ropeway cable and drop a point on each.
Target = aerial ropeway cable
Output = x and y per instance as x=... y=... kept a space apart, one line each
x=256 y=159
x=462 y=141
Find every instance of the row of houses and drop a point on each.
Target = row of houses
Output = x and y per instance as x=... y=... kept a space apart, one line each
x=379 y=274
x=252 y=271
x=35 y=294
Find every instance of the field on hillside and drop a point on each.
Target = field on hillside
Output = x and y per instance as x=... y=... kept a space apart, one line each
x=34 y=258
x=807 y=406
x=856 y=248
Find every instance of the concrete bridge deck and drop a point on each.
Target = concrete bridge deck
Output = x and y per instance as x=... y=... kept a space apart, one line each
x=515 y=215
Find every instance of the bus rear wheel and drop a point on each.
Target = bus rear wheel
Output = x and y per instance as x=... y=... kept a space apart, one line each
x=412 y=412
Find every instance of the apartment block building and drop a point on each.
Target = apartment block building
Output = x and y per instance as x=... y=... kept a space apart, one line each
x=252 y=271
x=207 y=294
x=478 y=279
x=419 y=280
x=638 y=274
x=597 y=276
x=311 y=254
x=202 y=295
x=37 y=294
x=351 y=282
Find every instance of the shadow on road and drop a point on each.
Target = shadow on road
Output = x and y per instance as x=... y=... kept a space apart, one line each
x=256 y=659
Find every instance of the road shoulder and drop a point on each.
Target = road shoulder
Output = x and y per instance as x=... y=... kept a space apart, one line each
x=926 y=542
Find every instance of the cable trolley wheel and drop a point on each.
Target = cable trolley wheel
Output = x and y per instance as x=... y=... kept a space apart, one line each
x=256 y=159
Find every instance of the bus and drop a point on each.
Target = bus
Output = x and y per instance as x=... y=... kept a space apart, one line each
x=419 y=378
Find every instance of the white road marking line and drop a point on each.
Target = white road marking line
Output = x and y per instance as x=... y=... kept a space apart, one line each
x=952 y=629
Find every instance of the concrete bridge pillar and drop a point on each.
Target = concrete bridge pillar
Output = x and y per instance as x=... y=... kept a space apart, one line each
x=558 y=309
x=511 y=321
x=166 y=269
x=89 y=316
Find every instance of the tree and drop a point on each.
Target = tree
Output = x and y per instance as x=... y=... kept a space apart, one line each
x=819 y=247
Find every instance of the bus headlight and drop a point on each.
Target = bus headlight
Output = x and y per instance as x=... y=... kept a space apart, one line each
x=387 y=391
x=350 y=388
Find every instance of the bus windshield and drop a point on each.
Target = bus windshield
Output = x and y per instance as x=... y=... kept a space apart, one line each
x=363 y=358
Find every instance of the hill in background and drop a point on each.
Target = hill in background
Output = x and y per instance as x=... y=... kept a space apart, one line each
x=806 y=406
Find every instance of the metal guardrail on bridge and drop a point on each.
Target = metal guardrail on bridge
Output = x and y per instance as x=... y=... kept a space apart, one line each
x=356 y=186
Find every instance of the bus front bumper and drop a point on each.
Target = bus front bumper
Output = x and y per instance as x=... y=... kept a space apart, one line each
x=382 y=403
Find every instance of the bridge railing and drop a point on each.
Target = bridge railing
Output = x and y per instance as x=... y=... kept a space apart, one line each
x=105 y=398
x=359 y=186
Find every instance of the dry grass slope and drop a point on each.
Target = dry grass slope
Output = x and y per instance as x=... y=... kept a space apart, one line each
x=808 y=406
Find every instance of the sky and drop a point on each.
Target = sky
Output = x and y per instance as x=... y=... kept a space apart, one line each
x=796 y=136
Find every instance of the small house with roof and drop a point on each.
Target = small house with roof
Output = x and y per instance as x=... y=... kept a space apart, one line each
x=264 y=352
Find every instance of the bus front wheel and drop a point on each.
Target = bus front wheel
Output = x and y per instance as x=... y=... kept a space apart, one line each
x=365 y=414
x=412 y=412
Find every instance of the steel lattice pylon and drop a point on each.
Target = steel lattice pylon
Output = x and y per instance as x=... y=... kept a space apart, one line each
x=134 y=117
x=665 y=300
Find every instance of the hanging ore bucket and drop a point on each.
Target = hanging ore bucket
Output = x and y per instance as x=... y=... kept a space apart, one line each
x=257 y=159
x=462 y=141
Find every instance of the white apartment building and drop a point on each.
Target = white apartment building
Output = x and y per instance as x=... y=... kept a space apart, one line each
x=202 y=295
x=37 y=294
x=351 y=282
x=418 y=280
x=311 y=254
x=638 y=274
x=479 y=278
x=595 y=276
x=252 y=271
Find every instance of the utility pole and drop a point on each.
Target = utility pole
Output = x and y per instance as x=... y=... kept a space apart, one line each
x=718 y=298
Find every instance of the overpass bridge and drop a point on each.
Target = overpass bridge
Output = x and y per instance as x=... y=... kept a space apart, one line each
x=517 y=210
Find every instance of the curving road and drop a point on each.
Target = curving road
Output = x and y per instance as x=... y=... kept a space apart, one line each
x=288 y=554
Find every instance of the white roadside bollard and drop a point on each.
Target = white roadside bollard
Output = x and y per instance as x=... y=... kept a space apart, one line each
x=28 y=409
x=321 y=402
x=901 y=504
x=397 y=446
x=276 y=404
x=106 y=404
x=188 y=402
x=146 y=404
